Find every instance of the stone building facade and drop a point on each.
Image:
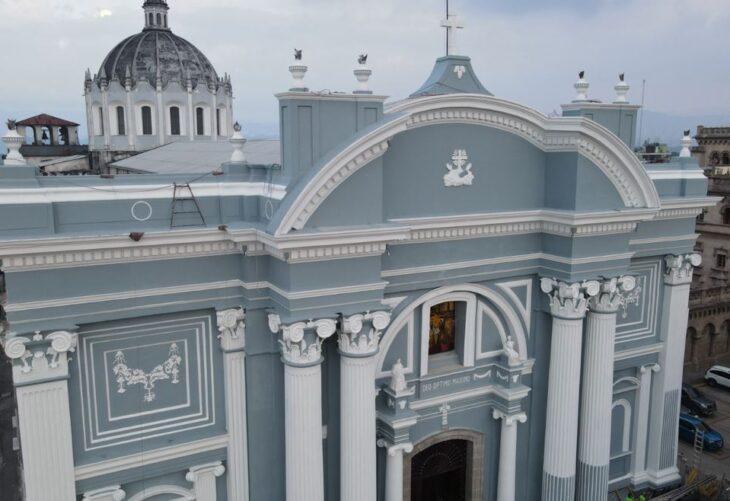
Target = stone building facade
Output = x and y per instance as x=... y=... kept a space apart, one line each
x=449 y=293
x=708 y=334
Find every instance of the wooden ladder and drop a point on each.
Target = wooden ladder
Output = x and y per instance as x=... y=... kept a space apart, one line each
x=183 y=195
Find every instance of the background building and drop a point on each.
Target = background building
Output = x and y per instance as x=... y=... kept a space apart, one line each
x=708 y=334
x=154 y=88
x=52 y=143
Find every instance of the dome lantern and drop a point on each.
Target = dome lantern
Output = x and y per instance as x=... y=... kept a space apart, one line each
x=155 y=15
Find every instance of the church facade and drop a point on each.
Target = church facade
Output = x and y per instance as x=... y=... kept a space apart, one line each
x=452 y=293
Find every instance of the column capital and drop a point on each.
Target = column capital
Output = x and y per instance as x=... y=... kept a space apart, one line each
x=232 y=328
x=393 y=449
x=650 y=367
x=678 y=269
x=612 y=294
x=301 y=342
x=357 y=340
x=509 y=419
x=569 y=301
x=112 y=493
x=215 y=469
x=40 y=358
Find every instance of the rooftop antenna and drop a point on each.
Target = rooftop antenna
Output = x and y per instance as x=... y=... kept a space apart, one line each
x=641 y=117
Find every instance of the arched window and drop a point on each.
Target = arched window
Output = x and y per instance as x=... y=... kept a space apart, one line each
x=159 y=19
x=218 y=121
x=165 y=18
x=121 y=126
x=200 y=121
x=690 y=344
x=714 y=158
x=101 y=121
x=726 y=215
x=175 y=121
x=152 y=20
x=726 y=158
x=146 y=120
x=621 y=426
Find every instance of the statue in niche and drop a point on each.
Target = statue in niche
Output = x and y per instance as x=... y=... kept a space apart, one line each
x=513 y=356
x=398 y=378
x=442 y=329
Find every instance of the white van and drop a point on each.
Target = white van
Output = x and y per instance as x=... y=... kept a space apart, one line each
x=717 y=375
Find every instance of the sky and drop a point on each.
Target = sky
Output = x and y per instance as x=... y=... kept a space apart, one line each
x=528 y=51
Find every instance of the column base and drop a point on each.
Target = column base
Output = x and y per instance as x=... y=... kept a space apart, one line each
x=592 y=482
x=557 y=488
x=663 y=478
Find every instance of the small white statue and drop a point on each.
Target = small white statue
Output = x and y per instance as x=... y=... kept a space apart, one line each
x=513 y=357
x=398 y=378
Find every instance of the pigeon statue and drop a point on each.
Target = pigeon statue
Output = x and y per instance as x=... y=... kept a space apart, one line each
x=581 y=74
x=362 y=59
x=298 y=54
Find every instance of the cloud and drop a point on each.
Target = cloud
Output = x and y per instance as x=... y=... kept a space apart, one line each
x=104 y=13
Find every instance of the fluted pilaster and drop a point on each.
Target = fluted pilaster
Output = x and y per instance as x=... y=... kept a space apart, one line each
x=594 y=449
x=203 y=479
x=568 y=305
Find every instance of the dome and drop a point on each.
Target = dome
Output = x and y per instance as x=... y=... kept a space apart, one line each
x=145 y=52
x=157 y=48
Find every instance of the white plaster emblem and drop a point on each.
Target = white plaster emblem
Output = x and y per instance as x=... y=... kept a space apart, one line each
x=483 y=376
x=444 y=410
x=459 y=70
x=459 y=170
x=127 y=376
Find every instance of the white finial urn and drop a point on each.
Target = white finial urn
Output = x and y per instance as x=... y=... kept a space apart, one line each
x=362 y=73
x=298 y=71
x=621 y=88
x=686 y=143
x=581 y=88
x=13 y=141
x=238 y=141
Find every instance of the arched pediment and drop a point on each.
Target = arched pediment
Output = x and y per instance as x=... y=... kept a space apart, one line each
x=553 y=135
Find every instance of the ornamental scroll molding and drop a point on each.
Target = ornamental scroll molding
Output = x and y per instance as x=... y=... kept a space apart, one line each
x=355 y=339
x=167 y=370
x=301 y=342
x=678 y=269
x=232 y=328
x=40 y=357
x=569 y=301
x=615 y=293
x=509 y=419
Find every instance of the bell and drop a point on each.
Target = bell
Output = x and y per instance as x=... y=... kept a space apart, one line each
x=45 y=135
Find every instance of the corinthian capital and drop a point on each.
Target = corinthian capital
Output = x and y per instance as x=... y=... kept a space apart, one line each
x=356 y=339
x=569 y=300
x=232 y=329
x=612 y=294
x=678 y=269
x=301 y=342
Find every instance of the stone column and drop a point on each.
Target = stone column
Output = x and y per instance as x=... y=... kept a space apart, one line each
x=203 y=479
x=508 y=454
x=113 y=493
x=594 y=441
x=394 y=469
x=638 y=466
x=214 y=113
x=301 y=349
x=40 y=373
x=568 y=305
x=666 y=394
x=191 y=112
x=358 y=347
x=233 y=342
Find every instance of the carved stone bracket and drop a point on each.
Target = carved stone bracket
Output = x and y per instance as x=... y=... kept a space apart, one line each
x=41 y=357
x=612 y=294
x=355 y=339
x=509 y=419
x=678 y=269
x=232 y=328
x=569 y=301
x=301 y=342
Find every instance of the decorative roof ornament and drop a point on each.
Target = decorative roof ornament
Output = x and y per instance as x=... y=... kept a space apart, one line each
x=13 y=141
x=238 y=141
x=298 y=71
x=452 y=24
x=362 y=73
x=581 y=88
x=686 y=143
x=621 y=88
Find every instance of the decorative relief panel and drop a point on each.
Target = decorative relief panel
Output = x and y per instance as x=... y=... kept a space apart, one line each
x=145 y=381
x=637 y=317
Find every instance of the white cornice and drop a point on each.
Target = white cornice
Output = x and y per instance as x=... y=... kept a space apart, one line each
x=598 y=106
x=102 y=192
x=331 y=96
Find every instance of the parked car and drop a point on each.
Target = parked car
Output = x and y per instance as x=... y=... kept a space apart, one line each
x=717 y=375
x=694 y=400
x=691 y=425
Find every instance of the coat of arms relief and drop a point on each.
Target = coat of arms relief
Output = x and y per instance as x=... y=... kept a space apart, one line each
x=125 y=376
x=460 y=173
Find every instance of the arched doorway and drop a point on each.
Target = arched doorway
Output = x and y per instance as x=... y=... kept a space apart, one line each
x=447 y=466
x=439 y=472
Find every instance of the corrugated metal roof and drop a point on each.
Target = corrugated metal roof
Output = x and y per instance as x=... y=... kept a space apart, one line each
x=198 y=157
